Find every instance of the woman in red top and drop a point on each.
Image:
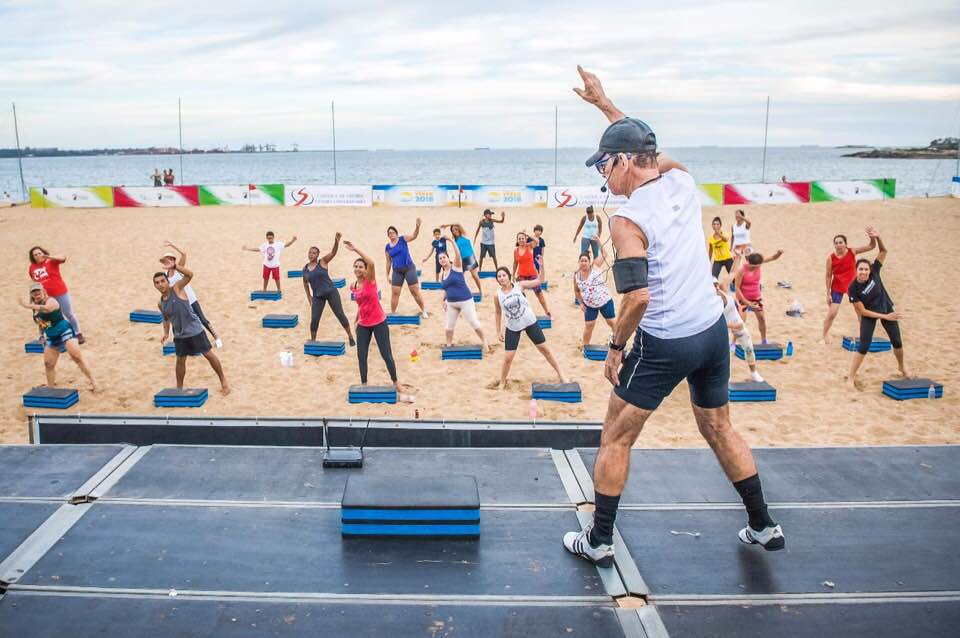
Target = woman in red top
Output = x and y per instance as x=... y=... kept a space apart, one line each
x=45 y=270
x=524 y=268
x=371 y=320
x=749 y=288
x=841 y=270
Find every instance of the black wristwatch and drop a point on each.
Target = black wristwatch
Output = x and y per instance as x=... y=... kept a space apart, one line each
x=613 y=346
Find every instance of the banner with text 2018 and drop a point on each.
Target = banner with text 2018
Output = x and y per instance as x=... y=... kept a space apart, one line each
x=402 y=195
x=316 y=195
x=497 y=196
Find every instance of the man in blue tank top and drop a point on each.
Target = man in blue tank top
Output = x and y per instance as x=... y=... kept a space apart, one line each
x=670 y=307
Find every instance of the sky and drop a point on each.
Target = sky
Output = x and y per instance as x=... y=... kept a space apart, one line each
x=441 y=75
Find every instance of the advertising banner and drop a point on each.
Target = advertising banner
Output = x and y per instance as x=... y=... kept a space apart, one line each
x=247 y=195
x=581 y=197
x=710 y=194
x=851 y=191
x=316 y=195
x=955 y=190
x=394 y=195
x=158 y=196
x=503 y=196
x=82 y=197
x=779 y=193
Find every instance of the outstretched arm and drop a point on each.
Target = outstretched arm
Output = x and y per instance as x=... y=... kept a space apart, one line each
x=533 y=283
x=457 y=260
x=577 y=233
x=183 y=256
x=187 y=276
x=250 y=250
x=333 y=251
x=593 y=93
x=868 y=247
x=371 y=270
x=291 y=242
x=882 y=255
x=416 y=231
x=629 y=242
x=503 y=216
x=777 y=255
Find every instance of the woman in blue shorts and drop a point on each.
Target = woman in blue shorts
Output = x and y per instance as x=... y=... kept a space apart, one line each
x=401 y=267
x=590 y=288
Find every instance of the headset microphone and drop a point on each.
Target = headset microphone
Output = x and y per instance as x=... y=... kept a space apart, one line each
x=603 y=189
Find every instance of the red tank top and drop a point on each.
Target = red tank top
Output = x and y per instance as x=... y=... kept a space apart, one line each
x=368 y=305
x=750 y=284
x=525 y=265
x=844 y=270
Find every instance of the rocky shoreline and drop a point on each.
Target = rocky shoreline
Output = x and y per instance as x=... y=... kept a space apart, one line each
x=945 y=148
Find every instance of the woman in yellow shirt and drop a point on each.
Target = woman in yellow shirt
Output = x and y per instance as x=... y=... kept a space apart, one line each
x=718 y=249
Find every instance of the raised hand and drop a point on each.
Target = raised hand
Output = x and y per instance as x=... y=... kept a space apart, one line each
x=592 y=90
x=349 y=245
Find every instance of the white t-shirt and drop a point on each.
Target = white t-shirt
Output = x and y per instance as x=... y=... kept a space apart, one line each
x=741 y=234
x=516 y=310
x=683 y=301
x=593 y=289
x=271 y=253
x=174 y=278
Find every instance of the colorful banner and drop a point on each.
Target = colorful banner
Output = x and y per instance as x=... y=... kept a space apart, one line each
x=710 y=194
x=851 y=191
x=306 y=195
x=249 y=195
x=581 y=197
x=392 y=195
x=503 y=196
x=83 y=197
x=155 y=196
x=779 y=193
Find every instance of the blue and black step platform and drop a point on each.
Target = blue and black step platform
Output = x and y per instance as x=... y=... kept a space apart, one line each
x=461 y=353
x=36 y=347
x=280 y=321
x=372 y=394
x=427 y=507
x=266 y=295
x=53 y=398
x=595 y=353
x=876 y=345
x=295 y=274
x=171 y=348
x=765 y=351
x=146 y=316
x=746 y=391
x=339 y=283
x=544 y=322
x=904 y=389
x=431 y=285
x=563 y=392
x=488 y=274
x=394 y=319
x=325 y=348
x=180 y=398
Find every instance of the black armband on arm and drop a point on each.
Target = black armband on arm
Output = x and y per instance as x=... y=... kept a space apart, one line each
x=630 y=274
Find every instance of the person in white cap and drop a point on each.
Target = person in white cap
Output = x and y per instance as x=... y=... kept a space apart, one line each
x=170 y=262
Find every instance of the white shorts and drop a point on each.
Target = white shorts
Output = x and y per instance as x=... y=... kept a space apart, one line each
x=469 y=310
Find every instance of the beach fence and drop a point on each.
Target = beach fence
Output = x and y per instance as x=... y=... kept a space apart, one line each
x=955 y=188
x=459 y=195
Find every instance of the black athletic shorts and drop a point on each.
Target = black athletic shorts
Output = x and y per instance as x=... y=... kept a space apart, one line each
x=187 y=346
x=511 y=338
x=654 y=367
x=488 y=249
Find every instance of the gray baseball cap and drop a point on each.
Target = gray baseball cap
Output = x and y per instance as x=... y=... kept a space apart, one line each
x=628 y=135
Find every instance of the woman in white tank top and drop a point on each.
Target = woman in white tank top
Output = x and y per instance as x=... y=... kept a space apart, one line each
x=741 y=234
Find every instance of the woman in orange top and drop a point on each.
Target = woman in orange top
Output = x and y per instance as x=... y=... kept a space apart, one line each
x=524 y=268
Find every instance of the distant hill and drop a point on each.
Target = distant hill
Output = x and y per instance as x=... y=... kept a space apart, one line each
x=937 y=149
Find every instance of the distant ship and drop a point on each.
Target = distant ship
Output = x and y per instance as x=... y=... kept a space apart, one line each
x=481 y=148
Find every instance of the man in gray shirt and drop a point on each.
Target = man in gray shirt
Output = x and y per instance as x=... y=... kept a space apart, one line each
x=488 y=240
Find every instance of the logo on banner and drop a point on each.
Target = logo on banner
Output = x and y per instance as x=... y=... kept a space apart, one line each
x=565 y=199
x=302 y=197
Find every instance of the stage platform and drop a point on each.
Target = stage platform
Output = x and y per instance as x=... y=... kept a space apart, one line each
x=206 y=540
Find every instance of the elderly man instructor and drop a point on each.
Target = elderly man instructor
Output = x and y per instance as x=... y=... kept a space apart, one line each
x=668 y=300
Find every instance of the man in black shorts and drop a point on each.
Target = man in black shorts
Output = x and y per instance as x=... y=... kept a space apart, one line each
x=871 y=301
x=488 y=240
x=188 y=335
x=668 y=299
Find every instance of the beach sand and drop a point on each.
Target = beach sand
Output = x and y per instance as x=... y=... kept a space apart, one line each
x=113 y=253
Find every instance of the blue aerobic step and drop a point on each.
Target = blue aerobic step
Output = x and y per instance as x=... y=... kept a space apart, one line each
x=403 y=320
x=595 y=353
x=903 y=389
x=410 y=507
x=146 y=316
x=169 y=349
x=460 y=353
x=545 y=285
x=33 y=347
x=764 y=351
x=752 y=391
x=431 y=285
x=325 y=348
x=372 y=394
x=563 y=392
x=488 y=274
x=876 y=345
x=266 y=295
x=339 y=283
x=280 y=321
x=544 y=322
x=294 y=274
x=185 y=398
x=54 y=398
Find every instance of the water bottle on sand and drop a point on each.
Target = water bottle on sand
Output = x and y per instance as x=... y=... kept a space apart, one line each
x=932 y=392
x=789 y=349
x=534 y=409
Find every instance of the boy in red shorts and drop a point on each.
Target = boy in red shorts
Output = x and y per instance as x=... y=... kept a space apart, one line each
x=271 y=250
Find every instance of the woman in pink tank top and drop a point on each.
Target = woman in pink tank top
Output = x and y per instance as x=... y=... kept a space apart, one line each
x=748 y=286
x=371 y=320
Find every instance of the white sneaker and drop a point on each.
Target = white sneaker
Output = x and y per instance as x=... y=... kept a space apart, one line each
x=218 y=343
x=756 y=376
x=770 y=538
x=578 y=544
x=425 y=314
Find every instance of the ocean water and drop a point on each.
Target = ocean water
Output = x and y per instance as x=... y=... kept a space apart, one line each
x=915 y=178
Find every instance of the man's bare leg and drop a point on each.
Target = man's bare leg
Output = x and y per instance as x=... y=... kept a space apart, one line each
x=621 y=428
x=181 y=371
x=214 y=362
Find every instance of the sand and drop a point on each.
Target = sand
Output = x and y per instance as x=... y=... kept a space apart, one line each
x=112 y=255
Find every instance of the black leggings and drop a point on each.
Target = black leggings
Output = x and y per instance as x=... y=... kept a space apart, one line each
x=197 y=310
x=869 y=324
x=319 y=303
x=381 y=332
x=720 y=265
